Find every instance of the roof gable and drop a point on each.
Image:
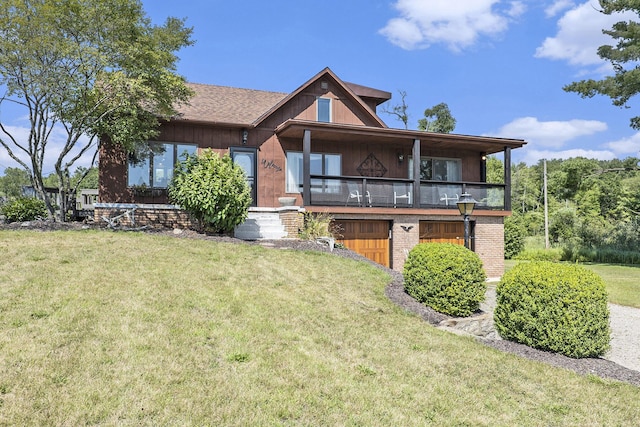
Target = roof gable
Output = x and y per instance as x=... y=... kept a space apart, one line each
x=347 y=88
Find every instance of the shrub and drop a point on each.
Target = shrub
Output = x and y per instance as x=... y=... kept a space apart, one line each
x=555 y=307
x=212 y=189
x=551 y=255
x=448 y=278
x=317 y=225
x=513 y=237
x=24 y=209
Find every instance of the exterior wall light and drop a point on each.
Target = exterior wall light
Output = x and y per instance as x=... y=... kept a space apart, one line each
x=400 y=157
x=466 y=203
x=245 y=136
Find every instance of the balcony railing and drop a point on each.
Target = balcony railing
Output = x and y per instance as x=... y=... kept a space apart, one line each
x=398 y=193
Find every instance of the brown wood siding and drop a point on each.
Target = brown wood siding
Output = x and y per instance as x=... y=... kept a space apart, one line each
x=367 y=238
x=271 y=167
x=442 y=232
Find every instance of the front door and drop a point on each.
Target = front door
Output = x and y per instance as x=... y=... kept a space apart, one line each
x=247 y=159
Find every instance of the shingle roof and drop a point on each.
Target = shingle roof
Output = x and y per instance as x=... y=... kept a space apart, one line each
x=222 y=104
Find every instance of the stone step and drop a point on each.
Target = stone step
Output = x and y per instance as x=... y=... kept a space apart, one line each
x=261 y=225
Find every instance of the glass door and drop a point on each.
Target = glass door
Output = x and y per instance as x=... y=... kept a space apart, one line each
x=247 y=159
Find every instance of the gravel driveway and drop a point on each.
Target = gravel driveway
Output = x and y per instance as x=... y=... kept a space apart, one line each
x=625 y=336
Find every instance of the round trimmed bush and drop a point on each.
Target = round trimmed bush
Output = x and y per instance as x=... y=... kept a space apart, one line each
x=446 y=277
x=24 y=209
x=555 y=307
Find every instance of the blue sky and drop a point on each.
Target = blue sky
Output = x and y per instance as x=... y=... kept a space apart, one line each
x=499 y=65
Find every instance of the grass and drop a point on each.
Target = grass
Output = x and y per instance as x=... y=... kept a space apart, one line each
x=622 y=282
x=100 y=328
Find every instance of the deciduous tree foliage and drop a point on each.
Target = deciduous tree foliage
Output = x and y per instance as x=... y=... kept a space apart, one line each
x=85 y=69
x=624 y=56
x=12 y=182
x=437 y=119
x=593 y=204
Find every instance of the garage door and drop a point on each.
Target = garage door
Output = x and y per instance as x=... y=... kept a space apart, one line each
x=368 y=238
x=442 y=232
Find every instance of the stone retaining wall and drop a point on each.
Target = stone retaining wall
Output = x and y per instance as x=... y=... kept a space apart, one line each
x=171 y=216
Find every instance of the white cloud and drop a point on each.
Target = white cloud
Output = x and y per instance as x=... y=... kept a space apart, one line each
x=551 y=133
x=579 y=35
x=456 y=24
x=557 y=7
x=626 y=146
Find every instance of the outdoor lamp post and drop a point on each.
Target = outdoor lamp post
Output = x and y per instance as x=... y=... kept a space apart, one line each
x=466 y=203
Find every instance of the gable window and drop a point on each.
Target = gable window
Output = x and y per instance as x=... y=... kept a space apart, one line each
x=324 y=109
x=156 y=169
x=438 y=169
x=321 y=164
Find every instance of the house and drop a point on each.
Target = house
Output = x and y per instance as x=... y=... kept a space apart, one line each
x=324 y=147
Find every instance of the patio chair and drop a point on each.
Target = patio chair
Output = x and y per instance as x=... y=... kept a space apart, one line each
x=400 y=196
x=354 y=193
x=444 y=198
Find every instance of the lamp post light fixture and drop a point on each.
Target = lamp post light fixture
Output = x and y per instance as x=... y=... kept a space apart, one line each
x=466 y=203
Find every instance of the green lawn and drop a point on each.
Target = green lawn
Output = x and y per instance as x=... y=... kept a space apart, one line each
x=101 y=328
x=623 y=282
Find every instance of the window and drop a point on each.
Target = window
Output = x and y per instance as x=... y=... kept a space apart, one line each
x=321 y=164
x=156 y=169
x=438 y=169
x=324 y=110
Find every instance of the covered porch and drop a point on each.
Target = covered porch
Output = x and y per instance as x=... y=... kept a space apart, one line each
x=398 y=185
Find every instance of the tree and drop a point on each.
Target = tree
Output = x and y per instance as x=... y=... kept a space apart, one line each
x=87 y=69
x=625 y=83
x=85 y=178
x=514 y=233
x=213 y=189
x=495 y=170
x=400 y=111
x=12 y=182
x=442 y=120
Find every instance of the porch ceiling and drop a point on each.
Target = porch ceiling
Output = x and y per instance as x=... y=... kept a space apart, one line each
x=294 y=129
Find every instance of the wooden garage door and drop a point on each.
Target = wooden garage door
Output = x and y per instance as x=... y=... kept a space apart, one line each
x=442 y=232
x=368 y=238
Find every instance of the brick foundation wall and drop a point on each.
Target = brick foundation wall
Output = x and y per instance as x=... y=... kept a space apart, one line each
x=405 y=235
x=489 y=244
x=293 y=221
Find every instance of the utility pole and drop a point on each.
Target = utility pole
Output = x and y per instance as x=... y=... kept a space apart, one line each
x=546 y=207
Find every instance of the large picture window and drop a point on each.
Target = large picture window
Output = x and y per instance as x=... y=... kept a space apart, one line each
x=156 y=169
x=438 y=169
x=321 y=164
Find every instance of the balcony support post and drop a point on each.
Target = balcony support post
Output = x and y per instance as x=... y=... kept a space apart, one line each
x=507 y=178
x=415 y=200
x=306 y=168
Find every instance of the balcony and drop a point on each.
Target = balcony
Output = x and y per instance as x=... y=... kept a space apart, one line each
x=399 y=193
